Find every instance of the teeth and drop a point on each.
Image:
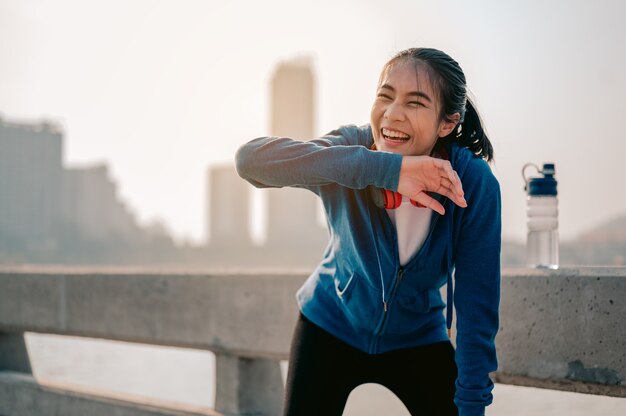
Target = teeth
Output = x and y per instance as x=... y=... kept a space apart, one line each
x=395 y=134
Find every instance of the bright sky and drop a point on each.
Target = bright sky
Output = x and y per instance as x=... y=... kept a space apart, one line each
x=159 y=90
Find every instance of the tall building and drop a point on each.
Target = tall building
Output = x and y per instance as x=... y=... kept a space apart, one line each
x=92 y=206
x=293 y=213
x=43 y=206
x=292 y=108
x=295 y=238
x=229 y=201
x=30 y=183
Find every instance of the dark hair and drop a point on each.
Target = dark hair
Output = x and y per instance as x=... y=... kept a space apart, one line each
x=448 y=78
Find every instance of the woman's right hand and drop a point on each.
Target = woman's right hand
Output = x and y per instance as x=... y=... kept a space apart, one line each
x=421 y=174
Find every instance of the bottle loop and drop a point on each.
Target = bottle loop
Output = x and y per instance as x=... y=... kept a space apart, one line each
x=526 y=166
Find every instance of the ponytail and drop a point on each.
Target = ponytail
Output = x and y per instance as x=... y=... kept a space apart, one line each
x=471 y=134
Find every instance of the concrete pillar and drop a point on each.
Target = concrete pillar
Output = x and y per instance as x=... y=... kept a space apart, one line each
x=13 y=352
x=247 y=386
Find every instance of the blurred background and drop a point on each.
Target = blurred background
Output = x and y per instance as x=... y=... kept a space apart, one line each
x=119 y=121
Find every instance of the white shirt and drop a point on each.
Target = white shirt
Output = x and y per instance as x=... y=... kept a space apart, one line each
x=412 y=225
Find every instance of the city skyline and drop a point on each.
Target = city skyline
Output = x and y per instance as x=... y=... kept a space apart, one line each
x=52 y=213
x=160 y=91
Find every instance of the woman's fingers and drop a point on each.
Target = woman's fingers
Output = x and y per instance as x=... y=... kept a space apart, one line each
x=428 y=201
x=451 y=175
x=452 y=190
x=446 y=189
x=453 y=196
x=422 y=174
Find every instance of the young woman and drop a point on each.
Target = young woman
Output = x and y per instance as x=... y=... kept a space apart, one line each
x=372 y=311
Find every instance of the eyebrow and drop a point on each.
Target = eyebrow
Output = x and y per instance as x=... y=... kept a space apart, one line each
x=414 y=93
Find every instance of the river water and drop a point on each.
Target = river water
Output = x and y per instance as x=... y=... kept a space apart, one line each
x=186 y=376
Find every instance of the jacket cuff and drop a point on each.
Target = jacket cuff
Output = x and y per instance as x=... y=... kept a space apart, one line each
x=387 y=170
x=471 y=410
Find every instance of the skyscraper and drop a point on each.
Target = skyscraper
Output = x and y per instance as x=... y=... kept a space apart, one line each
x=44 y=208
x=30 y=183
x=293 y=213
x=229 y=203
x=92 y=207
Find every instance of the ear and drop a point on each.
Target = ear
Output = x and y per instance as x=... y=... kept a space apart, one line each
x=446 y=127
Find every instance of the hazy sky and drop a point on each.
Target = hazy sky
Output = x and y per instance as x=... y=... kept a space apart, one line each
x=159 y=90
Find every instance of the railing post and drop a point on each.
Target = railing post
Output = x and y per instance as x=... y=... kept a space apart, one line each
x=248 y=386
x=13 y=353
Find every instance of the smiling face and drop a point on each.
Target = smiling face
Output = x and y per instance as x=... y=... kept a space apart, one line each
x=405 y=115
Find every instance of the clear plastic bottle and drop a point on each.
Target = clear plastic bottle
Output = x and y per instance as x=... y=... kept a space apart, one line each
x=542 y=245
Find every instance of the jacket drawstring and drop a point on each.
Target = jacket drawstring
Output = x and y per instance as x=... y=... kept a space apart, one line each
x=380 y=268
x=450 y=293
x=380 y=273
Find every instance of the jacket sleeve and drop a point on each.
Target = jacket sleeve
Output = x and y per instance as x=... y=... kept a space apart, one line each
x=340 y=157
x=477 y=291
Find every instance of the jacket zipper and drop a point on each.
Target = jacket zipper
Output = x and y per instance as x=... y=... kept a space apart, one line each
x=395 y=285
x=383 y=320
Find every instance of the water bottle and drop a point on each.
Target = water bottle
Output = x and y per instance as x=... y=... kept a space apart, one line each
x=542 y=213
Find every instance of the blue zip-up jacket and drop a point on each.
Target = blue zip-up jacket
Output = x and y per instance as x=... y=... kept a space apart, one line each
x=359 y=292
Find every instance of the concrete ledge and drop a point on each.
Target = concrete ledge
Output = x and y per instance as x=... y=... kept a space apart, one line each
x=558 y=328
x=564 y=329
x=246 y=314
x=22 y=395
x=572 y=386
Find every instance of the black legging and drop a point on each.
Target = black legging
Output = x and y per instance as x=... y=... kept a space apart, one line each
x=323 y=370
